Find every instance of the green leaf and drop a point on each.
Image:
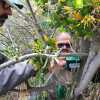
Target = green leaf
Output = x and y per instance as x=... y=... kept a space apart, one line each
x=78 y=4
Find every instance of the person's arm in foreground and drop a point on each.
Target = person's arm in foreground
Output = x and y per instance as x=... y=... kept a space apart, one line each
x=14 y=75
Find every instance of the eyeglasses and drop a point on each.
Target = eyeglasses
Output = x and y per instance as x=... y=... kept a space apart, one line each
x=61 y=45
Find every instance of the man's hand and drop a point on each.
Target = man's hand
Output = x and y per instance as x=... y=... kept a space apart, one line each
x=63 y=75
x=57 y=65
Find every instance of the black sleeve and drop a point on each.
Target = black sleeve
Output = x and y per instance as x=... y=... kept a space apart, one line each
x=3 y=58
x=14 y=75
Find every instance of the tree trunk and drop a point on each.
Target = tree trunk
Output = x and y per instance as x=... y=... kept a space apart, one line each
x=92 y=64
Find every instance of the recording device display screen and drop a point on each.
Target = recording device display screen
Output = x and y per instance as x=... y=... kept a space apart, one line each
x=72 y=62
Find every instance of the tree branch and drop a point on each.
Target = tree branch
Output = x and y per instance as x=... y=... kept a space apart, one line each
x=37 y=27
x=93 y=67
x=91 y=56
x=27 y=56
x=22 y=58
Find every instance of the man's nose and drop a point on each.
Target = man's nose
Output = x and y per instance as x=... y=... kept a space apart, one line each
x=64 y=46
x=9 y=11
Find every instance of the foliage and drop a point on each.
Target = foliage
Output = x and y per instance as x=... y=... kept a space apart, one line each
x=74 y=16
x=41 y=2
x=11 y=52
x=78 y=17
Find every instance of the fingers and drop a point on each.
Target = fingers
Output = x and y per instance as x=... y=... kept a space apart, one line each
x=61 y=63
x=57 y=64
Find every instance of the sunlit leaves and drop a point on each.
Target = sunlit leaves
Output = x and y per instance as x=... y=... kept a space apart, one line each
x=77 y=15
x=67 y=9
x=41 y=2
x=38 y=46
x=78 y=3
x=72 y=15
x=61 y=1
x=51 y=42
x=88 y=21
x=96 y=3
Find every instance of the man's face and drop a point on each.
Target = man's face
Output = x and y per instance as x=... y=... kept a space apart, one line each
x=63 y=42
x=5 y=11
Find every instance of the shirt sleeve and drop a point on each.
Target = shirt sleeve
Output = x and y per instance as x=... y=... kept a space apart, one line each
x=14 y=75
